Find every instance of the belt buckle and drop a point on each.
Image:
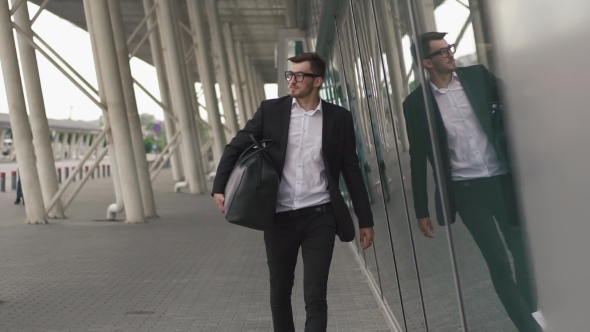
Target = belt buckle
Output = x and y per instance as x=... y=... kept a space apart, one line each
x=320 y=209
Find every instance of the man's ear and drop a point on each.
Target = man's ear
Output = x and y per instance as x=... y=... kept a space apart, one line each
x=318 y=82
x=427 y=64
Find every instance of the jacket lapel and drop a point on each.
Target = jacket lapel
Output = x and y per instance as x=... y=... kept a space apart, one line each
x=284 y=130
x=474 y=92
x=327 y=124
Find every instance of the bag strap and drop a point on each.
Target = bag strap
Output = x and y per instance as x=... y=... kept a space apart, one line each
x=268 y=143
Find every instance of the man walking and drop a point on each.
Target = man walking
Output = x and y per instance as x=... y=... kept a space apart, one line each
x=475 y=169
x=314 y=144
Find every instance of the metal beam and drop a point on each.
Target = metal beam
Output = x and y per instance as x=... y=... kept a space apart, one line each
x=41 y=8
x=63 y=71
x=141 y=23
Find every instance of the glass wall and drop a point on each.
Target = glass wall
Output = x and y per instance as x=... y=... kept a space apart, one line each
x=450 y=252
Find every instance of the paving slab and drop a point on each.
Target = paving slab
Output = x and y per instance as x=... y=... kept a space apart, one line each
x=188 y=270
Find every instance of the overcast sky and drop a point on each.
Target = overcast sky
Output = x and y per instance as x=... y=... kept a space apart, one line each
x=63 y=100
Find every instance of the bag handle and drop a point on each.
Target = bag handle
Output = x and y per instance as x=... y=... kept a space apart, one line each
x=269 y=143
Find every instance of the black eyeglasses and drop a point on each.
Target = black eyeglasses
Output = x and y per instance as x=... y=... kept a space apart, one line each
x=444 y=52
x=299 y=76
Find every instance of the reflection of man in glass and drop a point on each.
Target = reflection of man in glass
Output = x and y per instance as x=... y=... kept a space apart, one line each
x=475 y=169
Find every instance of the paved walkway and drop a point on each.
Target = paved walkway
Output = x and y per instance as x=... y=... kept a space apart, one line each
x=186 y=271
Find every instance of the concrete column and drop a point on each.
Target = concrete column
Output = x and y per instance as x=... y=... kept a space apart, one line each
x=191 y=94
x=2 y=138
x=426 y=15
x=63 y=145
x=38 y=118
x=397 y=67
x=207 y=76
x=252 y=84
x=243 y=84
x=119 y=205
x=19 y=121
x=157 y=57
x=235 y=75
x=109 y=67
x=71 y=142
x=175 y=66
x=79 y=140
x=54 y=143
x=143 y=173
x=261 y=87
x=478 y=32
x=227 y=100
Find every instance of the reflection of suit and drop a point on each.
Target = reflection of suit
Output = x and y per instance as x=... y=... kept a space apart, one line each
x=482 y=201
x=271 y=121
x=481 y=89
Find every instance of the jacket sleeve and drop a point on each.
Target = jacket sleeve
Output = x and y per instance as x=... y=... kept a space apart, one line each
x=234 y=149
x=351 y=172
x=418 y=165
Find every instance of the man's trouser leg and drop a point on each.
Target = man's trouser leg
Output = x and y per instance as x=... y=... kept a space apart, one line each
x=317 y=248
x=474 y=205
x=315 y=233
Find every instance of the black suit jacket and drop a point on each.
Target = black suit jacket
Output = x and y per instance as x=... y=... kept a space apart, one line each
x=271 y=121
x=481 y=88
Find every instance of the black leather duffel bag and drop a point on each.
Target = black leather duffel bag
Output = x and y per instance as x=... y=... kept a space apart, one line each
x=251 y=191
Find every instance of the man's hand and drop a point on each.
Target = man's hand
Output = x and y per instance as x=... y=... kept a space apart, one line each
x=220 y=201
x=366 y=237
x=425 y=225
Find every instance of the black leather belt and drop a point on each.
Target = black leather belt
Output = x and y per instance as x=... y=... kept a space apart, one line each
x=306 y=211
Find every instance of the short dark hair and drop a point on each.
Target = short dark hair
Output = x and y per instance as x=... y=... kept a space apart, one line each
x=424 y=41
x=318 y=65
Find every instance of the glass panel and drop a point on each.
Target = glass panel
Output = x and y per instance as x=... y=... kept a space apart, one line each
x=472 y=161
x=383 y=69
x=357 y=93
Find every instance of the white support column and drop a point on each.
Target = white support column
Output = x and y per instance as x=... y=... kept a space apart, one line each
x=235 y=74
x=190 y=94
x=426 y=15
x=207 y=75
x=79 y=139
x=175 y=66
x=157 y=57
x=119 y=204
x=109 y=67
x=252 y=84
x=2 y=138
x=243 y=84
x=397 y=68
x=261 y=87
x=70 y=144
x=19 y=121
x=478 y=32
x=227 y=99
x=54 y=143
x=63 y=145
x=142 y=169
x=38 y=118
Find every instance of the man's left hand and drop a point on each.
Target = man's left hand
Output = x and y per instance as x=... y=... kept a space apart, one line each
x=366 y=237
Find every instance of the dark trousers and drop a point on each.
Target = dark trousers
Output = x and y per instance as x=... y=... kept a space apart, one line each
x=314 y=230
x=481 y=203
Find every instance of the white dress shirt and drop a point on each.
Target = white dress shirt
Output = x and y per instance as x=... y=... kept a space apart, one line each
x=304 y=181
x=471 y=153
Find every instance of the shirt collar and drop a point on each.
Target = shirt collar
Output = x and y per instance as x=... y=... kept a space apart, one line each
x=453 y=79
x=318 y=108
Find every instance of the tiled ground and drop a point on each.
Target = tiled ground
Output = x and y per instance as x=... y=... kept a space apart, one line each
x=187 y=271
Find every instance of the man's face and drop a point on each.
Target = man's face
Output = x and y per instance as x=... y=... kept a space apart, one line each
x=438 y=63
x=304 y=88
